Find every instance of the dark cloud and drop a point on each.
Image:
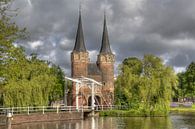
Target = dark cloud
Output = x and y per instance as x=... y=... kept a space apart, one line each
x=170 y=18
x=165 y=28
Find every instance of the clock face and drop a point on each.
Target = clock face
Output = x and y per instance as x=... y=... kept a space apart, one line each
x=109 y=58
x=106 y=58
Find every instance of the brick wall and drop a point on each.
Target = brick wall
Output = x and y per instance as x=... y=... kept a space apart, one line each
x=36 y=117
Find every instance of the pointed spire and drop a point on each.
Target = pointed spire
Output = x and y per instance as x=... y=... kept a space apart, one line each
x=79 y=43
x=105 y=48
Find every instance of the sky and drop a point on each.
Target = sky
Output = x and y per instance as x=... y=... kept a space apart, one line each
x=165 y=28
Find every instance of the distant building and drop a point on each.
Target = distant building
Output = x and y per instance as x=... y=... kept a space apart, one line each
x=102 y=70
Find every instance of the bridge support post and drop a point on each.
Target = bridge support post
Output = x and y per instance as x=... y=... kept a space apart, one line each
x=9 y=120
x=77 y=97
x=92 y=97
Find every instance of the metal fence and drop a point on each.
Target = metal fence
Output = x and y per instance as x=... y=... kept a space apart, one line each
x=58 y=109
x=110 y=107
x=39 y=109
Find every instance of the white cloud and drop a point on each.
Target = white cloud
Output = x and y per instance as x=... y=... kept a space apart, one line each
x=179 y=69
x=93 y=55
x=29 y=2
x=183 y=43
x=35 y=44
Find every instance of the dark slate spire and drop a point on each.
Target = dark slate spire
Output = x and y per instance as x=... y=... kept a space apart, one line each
x=79 y=43
x=105 y=48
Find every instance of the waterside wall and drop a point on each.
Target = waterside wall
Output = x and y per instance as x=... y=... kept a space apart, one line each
x=39 y=117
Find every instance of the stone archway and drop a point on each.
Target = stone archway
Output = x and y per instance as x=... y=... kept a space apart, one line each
x=97 y=100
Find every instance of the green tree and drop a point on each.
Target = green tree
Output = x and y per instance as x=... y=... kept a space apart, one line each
x=190 y=80
x=32 y=82
x=145 y=85
x=181 y=90
x=186 y=88
x=127 y=89
x=9 y=32
x=24 y=81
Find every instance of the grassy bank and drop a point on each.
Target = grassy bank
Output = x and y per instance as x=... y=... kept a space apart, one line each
x=183 y=110
x=130 y=113
x=134 y=113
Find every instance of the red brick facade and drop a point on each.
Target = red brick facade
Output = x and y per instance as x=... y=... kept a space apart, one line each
x=101 y=71
x=105 y=65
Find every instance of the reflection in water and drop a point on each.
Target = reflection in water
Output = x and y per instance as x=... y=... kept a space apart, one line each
x=173 y=122
x=148 y=123
x=93 y=123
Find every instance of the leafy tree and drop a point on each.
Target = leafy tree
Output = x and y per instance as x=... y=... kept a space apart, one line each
x=128 y=82
x=180 y=91
x=134 y=64
x=32 y=83
x=24 y=81
x=190 y=80
x=145 y=85
x=186 y=88
x=9 y=32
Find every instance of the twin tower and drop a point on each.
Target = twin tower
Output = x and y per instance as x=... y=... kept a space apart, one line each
x=102 y=70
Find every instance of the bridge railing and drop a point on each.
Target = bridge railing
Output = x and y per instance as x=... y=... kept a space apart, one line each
x=58 y=109
x=38 y=109
x=111 y=107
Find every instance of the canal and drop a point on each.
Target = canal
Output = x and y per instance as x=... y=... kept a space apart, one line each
x=172 y=122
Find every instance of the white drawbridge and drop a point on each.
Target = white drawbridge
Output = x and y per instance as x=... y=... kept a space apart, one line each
x=83 y=81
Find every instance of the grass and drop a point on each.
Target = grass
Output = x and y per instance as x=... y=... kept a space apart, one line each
x=183 y=110
x=130 y=113
x=134 y=113
x=119 y=113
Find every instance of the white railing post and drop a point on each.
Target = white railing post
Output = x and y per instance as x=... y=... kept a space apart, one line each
x=43 y=110
x=12 y=110
x=28 y=110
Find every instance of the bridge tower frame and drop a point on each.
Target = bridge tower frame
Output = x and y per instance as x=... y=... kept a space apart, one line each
x=82 y=81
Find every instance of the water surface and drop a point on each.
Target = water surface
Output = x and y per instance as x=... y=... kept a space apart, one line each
x=172 y=122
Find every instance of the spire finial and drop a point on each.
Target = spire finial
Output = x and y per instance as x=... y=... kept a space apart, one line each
x=80 y=7
x=105 y=10
x=79 y=43
x=104 y=16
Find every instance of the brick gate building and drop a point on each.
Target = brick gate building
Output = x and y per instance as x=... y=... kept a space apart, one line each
x=102 y=70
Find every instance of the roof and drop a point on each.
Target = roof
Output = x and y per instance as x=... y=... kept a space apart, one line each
x=79 y=43
x=93 y=69
x=105 y=47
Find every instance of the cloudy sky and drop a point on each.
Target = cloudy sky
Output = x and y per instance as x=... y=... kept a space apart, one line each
x=165 y=28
